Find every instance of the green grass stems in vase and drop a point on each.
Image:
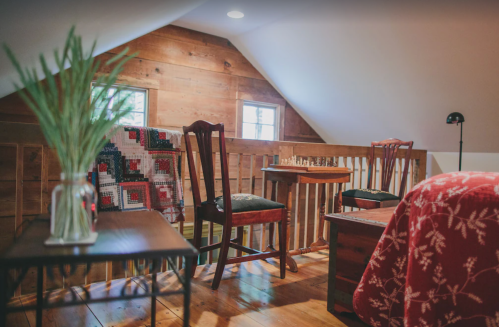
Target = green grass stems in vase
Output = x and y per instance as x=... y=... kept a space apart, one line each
x=73 y=126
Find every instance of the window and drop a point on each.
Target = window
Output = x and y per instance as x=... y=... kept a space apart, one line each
x=137 y=101
x=259 y=122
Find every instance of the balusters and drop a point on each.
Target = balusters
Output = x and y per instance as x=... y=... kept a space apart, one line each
x=297 y=218
x=399 y=174
x=413 y=165
x=210 y=224
x=317 y=211
x=264 y=195
x=307 y=197
x=252 y=191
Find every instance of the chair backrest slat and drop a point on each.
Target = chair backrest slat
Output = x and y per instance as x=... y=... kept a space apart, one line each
x=203 y=131
x=388 y=160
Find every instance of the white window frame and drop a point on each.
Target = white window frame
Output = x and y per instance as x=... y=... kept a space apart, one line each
x=263 y=105
x=146 y=99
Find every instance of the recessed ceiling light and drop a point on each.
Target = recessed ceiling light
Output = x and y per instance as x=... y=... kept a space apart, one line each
x=235 y=14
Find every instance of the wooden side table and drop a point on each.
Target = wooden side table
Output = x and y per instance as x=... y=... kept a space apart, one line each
x=290 y=177
x=123 y=236
x=366 y=223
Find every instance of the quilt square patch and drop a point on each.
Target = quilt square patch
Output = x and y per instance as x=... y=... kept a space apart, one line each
x=163 y=164
x=174 y=213
x=109 y=197
x=135 y=196
x=133 y=167
x=163 y=193
x=109 y=167
x=157 y=141
x=128 y=137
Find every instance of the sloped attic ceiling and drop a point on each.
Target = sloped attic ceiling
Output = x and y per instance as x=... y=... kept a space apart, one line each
x=375 y=70
x=356 y=73
x=33 y=26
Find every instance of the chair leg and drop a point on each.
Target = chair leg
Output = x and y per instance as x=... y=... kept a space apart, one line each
x=335 y=204
x=222 y=258
x=198 y=231
x=271 y=236
x=282 y=248
x=239 y=236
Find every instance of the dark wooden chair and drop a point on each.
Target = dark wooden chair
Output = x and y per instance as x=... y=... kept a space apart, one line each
x=372 y=198
x=239 y=211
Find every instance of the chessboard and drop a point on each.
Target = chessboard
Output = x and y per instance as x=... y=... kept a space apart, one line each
x=312 y=169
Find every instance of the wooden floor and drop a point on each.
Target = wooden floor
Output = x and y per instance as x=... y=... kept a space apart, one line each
x=250 y=294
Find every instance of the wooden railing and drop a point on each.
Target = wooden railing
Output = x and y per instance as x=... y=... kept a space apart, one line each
x=29 y=171
x=247 y=157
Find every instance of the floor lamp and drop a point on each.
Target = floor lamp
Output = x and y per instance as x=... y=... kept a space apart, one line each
x=456 y=118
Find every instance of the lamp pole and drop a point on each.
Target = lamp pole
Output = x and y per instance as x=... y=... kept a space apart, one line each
x=461 y=147
x=457 y=118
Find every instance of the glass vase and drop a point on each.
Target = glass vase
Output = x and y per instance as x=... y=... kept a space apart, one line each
x=73 y=211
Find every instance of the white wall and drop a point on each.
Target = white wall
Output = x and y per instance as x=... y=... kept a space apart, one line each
x=446 y=162
x=359 y=73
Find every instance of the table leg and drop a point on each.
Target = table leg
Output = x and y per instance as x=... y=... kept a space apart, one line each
x=154 y=289
x=340 y=198
x=3 y=297
x=273 y=196
x=331 y=283
x=322 y=208
x=187 y=291
x=39 y=296
x=289 y=260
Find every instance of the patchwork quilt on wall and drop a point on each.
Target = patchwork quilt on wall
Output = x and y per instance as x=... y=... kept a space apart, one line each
x=139 y=169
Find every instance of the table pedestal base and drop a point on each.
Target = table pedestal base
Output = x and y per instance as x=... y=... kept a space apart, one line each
x=320 y=244
x=293 y=267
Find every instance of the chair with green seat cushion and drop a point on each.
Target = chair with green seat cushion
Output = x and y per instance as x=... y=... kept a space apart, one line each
x=241 y=210
x=370 y=198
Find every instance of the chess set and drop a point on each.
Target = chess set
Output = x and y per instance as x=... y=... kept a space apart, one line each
x=317 y=165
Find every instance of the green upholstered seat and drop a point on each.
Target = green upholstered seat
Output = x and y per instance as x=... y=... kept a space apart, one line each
x=242 y=202
x=370 y=194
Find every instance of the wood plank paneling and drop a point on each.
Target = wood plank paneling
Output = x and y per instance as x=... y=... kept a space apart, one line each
x=183 y=109
x=183 y=34
x=298 y=130
x=7 y=198
x=8 y=162
x=183 y=79
x=163 y=49
x=258 y=90
x=14 y=106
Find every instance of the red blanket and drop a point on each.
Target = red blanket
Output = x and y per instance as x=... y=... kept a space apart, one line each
x=437 y=263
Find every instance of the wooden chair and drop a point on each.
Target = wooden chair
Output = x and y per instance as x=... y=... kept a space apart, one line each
x=371 y=198
x=241 y=210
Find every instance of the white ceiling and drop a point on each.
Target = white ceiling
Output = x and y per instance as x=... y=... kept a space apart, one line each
x=211 y=17
x=359 y=73
x=29 y=27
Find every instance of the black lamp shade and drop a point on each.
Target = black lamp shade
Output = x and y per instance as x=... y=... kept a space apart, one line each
x=455 y=118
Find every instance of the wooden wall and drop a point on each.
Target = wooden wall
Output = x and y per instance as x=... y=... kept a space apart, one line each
x=190 y=76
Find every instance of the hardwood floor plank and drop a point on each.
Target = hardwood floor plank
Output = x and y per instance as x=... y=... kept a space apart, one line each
x=250 y=294
x=75 y=316
x=281 y=295
x=130 y=313
x=17 y=319
x=206 y=309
